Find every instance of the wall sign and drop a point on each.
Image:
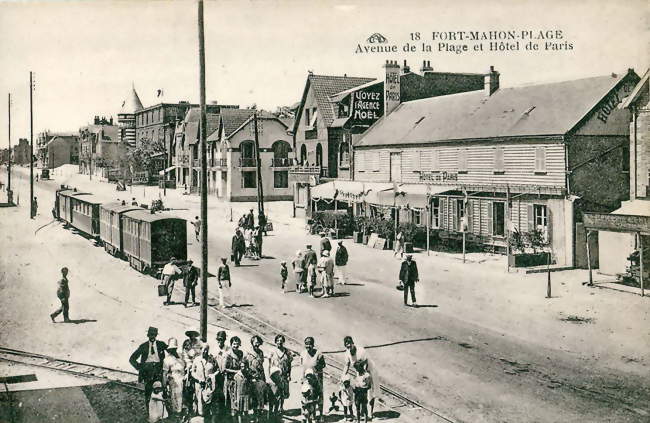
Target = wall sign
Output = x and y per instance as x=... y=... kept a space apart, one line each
x=367 y=105
x=616 y=222
x=438 y=176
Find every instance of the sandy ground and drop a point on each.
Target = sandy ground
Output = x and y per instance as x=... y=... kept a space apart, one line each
x=486 y=347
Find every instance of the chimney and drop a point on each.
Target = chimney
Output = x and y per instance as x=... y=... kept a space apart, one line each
x=111 y=121
x=391 y=86
x=426 y=66
x=491 y=82
x=96 y=120
x=406 y=68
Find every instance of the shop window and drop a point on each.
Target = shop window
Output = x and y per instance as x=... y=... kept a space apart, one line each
x=435 y=212
x=303 y=155
x=280 y=179
x=416 y=217
x=498 y=218
x=540 y=218
x=249 y=179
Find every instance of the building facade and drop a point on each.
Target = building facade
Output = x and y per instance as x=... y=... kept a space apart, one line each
x=126 y=118
x=21 y=152
x=233 y=159
x=61 y=150
x=498 y=161
x=100 y=147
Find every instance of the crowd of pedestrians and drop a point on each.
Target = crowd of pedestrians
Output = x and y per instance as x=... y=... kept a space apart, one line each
x=222 y=381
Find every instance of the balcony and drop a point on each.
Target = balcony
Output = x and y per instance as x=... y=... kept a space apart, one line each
x=247 y=162
x=307 y=170
x=281 y=162
x=219 y=162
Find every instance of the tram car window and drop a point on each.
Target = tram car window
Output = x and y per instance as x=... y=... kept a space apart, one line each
x=65 y=204
x=150 y=240
x=111 y=224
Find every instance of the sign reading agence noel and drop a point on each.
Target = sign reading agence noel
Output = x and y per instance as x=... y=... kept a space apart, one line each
x=438 y=176
x=367 y=106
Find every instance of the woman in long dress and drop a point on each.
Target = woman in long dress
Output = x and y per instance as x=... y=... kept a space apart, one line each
x=356 y=354
x=313 y=360
x=254 y=361
x=237 y=380
x=281 y=358
x=173 y=376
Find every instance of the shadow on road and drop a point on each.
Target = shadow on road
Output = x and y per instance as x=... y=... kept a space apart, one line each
x=390 y=344
x=79 y=321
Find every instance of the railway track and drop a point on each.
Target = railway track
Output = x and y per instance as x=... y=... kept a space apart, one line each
x=121 y=377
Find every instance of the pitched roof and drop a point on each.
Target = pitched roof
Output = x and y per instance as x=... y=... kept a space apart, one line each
x=641 y=86
x=192 y=123
x=546 y=109
x=132 y=103
x=232 y=119
x=325 y=86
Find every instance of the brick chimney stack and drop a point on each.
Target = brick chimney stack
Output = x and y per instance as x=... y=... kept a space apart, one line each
x=426 y=66
x=406 y=68
x=391 y=86
x=491 y=82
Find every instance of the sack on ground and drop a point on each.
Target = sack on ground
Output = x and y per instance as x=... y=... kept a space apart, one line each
x=162 y=290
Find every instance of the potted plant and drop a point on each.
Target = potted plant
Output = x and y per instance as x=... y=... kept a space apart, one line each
x=527 y=249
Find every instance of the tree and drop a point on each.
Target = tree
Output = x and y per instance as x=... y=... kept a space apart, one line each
x=140 y=158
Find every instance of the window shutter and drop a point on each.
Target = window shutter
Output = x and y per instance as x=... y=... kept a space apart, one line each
x=416 y=160
x=540 y=159
x=435 y=159
x=549 y=225
x=531 y=217
x=462 y=159
x=469 y=212
x=425 y=162
x=375 y=161
x=490 y=211
x=360 y=161
x=498 y=159
x=442 y=213
x=454 y=214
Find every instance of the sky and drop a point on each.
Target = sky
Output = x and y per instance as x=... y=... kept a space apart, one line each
x=85 y=55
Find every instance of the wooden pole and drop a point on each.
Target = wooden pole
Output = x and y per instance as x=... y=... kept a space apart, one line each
x=204 y=184
x=9 y=162
x=548 y=275
x=641 y=264
x=258 y=164
x=591 y=279
x=464 y=232
x=428 y=209
x=31 y=146
x=508 y=229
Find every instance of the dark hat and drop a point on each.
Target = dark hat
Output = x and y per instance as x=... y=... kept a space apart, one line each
x=152 y=331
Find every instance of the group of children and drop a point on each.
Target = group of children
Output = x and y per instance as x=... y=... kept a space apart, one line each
x=352 y=395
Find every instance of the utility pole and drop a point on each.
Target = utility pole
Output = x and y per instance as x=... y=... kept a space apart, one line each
x=258 y=164
x=31 y=146
x=204 y=183
x=9 y=199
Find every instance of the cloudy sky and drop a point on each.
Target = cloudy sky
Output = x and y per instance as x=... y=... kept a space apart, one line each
x=85 y=55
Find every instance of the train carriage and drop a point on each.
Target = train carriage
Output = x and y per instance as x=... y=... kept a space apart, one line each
x=85 y=213
x=151 y=239
x=64 y=203
x=110 y=226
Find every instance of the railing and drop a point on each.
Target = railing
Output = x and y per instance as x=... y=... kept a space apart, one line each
x=308 y=170
x=281 y=162
x=219 y=162
x=247 y=162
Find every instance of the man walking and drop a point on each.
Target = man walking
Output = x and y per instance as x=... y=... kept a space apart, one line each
x=223 y=277
x=238 y=246
x=408 y=276
x=35 y=206
x=169 y=274
x=341 y=261
x=189 y=282
x=63 y=293
x=147 y=360
x=197 y=227
x=250 y=219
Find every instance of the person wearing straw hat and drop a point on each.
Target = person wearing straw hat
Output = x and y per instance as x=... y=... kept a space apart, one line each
x=173 y=372
x=194 y=343
x=326 y=273
x=147 y=359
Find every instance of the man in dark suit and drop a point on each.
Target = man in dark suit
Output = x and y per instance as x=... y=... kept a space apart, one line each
x=408 y=275
x=148 y=360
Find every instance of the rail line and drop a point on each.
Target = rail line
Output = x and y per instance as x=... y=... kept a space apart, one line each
x=121 y=377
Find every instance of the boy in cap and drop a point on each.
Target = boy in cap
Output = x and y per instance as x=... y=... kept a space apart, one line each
x=63 y=293
x=189 y=282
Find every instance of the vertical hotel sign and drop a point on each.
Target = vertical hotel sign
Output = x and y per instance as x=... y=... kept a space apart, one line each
x=391 y=87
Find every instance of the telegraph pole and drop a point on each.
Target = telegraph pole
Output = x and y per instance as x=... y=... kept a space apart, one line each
x=258 y=159
x=204 y=183
x=9 y=199
x=31 y=146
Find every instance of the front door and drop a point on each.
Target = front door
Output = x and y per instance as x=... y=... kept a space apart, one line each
x=396 y=167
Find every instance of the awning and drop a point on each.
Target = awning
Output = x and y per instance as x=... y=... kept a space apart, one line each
x=323 y=191
x=375 y=192
x=416 y=196
x=349 y=191
x=169 y=169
